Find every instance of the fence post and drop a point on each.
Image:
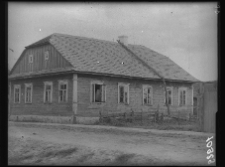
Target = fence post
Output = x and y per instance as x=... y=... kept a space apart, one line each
x=100 y=117
x=161 y=118
x=132 y=115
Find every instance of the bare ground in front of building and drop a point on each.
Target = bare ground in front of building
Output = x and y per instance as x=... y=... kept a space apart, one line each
x=57 y=144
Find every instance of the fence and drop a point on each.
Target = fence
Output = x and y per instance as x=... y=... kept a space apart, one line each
x=207 y=98
x=157 y=115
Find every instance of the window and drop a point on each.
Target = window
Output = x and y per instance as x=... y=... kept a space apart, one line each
x=17 y=90
x=169 y=98
x=46 y=55
x=98 y=92
x=30 y=64
x=47 y=92
x=147 y=95
x=63 y=91
x=28 y=93
x=182 y=96
x=123 y=93
x=30 y=58
x=46 y=58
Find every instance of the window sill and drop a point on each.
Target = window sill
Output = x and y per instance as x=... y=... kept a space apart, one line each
x=62 y=102
x=47 y=102
x=148 y=105
x=98 y=102
x=124 y=103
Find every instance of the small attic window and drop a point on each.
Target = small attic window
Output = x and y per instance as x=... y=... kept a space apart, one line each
x=46 y=54
x=31 y=58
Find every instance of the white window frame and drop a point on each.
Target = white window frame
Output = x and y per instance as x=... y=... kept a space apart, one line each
x=62 y=82
x=179 y=92
x=168 y=88
x=128 y=92
x=45 y=84
x=103 y=92
x=26 y=86
x=17 y=87
x=144 y=87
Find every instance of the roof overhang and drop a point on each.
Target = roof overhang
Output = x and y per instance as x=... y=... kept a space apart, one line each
x=72 y=70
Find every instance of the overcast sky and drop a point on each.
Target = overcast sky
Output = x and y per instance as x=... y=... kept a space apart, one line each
x=185 y=32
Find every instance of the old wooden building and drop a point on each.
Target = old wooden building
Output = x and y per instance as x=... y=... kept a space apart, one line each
x=63 y=77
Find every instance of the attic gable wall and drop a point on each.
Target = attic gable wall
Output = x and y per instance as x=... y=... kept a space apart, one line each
x=55 y=60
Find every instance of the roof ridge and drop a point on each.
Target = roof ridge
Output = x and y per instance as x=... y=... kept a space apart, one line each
x=82 y=37
x=139 y=59
x=40 y=41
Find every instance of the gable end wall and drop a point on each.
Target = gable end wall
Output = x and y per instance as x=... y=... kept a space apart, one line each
x=55 y=60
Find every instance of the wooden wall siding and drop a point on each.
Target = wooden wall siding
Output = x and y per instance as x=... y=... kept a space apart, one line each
x=55 y=60
x=38 y=107
x=86 y=108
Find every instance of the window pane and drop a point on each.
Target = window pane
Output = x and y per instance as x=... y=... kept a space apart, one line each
x=121 y=94
x=145 y=100
x=125 y=95
x=103 y=93
x=63 y=96
x=46 y=96
x=98 y=93
x=60 y=95
x=93 y=93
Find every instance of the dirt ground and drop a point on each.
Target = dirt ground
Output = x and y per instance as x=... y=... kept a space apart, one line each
x=58 y=144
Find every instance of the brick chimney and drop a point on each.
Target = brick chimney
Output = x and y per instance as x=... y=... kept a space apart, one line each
x=123 y=39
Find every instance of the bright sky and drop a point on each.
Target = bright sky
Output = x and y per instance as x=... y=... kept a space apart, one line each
x=185 y=32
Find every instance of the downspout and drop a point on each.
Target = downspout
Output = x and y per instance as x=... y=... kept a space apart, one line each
x=151 y=69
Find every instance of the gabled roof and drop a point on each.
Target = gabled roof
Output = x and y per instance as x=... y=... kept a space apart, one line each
x=105 y=57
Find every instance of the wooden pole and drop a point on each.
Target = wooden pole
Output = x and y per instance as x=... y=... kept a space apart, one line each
x=9 y=101
x=150 y=68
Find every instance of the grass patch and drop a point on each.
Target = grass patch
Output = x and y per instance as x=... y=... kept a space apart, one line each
x=60 y=153
x=84 y=157
x=123 y=159
x=27 y=157
x=150 y=124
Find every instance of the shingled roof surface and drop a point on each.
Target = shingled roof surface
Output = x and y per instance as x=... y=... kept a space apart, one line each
x=99 y=56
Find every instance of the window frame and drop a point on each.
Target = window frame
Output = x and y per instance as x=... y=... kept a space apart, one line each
x=31 y=56
x=128 y=92
x=50 y=84
x=46 y=60
x=179 y=93
x=151 y=94
x=168 y=88
x=46 y=53
x=17 y=86
x=103 y=92
x=25 y=91
x=62 y=82
x=30 y=63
